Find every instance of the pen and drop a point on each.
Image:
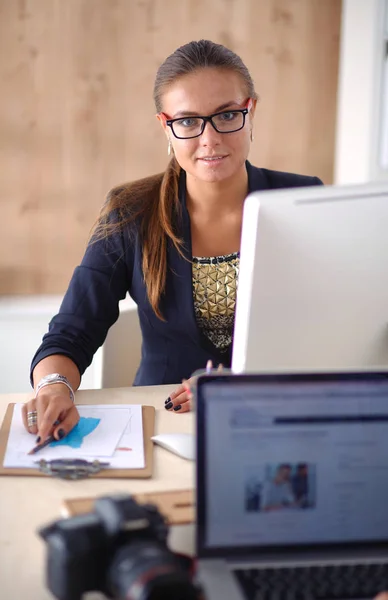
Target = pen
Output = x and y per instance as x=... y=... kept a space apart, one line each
x=36 y=449
x=50 y=439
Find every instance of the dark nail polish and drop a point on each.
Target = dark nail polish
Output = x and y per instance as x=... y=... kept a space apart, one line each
x=178 y=407
x=56 y=422
x=168 y=406
x=167 y=401
x=61 y=433
x=38 y=439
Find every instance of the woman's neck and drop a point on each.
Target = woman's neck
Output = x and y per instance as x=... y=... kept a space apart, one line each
x=221 y=196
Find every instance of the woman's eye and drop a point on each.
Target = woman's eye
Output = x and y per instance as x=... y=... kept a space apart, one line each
x=228 y=116
x=188 y=122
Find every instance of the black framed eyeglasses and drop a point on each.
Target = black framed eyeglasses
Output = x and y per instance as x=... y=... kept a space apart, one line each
x=226 y=121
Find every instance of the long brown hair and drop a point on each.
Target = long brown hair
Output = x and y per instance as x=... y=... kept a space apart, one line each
x=153 y=202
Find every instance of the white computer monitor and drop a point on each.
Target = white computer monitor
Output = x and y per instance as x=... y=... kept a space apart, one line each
x=313 y=282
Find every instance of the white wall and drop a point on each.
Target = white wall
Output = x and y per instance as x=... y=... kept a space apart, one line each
x=360 y=131
x=384 y=129
x=24 y=321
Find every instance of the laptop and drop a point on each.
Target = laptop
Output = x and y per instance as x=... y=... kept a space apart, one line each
x=292 y=485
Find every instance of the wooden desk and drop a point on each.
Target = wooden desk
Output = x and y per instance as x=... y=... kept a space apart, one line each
x=26 y=503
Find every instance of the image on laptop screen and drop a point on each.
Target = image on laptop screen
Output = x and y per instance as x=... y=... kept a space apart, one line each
x=292 y=460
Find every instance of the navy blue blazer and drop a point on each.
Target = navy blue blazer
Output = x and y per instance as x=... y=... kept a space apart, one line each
x=171 y=349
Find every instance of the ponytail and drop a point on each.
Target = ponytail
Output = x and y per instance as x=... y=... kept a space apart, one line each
x=156 y=230
x=154 y=203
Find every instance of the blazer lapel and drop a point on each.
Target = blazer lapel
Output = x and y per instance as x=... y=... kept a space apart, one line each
x=257 y=180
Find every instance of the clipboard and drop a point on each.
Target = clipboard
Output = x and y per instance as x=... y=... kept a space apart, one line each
x=178 y=506
x=148 y=418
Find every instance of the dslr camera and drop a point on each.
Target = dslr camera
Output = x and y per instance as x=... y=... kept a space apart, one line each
x=119 y=549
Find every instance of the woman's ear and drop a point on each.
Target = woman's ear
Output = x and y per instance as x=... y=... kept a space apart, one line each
x=253 y=107
x=162 y=120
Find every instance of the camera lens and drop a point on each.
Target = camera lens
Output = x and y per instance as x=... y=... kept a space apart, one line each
x=173 y=590
x=145 y=570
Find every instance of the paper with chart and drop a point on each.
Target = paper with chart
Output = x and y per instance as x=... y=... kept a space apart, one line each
x=110 y=433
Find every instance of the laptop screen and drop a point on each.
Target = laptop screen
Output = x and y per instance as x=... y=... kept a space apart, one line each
x=291 y=460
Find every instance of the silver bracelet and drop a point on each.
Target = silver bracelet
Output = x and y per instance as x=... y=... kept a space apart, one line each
x=51 y=379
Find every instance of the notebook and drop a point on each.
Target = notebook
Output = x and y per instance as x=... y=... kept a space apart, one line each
x=292 y=485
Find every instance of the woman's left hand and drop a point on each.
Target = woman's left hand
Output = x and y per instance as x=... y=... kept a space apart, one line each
x=181 y=399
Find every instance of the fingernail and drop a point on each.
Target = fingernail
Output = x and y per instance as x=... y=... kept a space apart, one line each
x=56 y=422
x=38 y=439
x=167 y=401
x=61 y=433
x=168 y=406
x=178 y=407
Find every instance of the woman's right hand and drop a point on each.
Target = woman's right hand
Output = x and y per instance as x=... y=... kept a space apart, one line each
x=56 y=413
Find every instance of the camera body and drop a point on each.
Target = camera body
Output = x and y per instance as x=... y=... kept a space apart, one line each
x=119 y=549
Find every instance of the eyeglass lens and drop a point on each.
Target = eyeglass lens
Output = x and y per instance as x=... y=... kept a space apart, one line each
x=225 y=122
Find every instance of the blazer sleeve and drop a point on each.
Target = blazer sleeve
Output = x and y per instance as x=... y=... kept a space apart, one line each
x=91 y=303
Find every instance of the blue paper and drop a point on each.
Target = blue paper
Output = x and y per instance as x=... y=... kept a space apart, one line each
x=75 y=438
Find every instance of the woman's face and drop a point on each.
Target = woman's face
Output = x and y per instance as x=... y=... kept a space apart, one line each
x=283 y=474
x=212 y=156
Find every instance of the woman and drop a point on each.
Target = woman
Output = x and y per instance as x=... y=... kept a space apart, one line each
x=171 y=240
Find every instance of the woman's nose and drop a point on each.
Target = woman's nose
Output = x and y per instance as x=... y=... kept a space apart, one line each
x=209 y=136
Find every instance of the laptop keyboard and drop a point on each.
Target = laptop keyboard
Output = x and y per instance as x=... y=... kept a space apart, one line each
x=320 y=582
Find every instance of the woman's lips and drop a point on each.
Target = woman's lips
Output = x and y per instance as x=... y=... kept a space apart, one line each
x=212 y=160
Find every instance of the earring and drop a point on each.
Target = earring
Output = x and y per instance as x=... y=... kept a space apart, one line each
x=169 y=147
x=252 y=136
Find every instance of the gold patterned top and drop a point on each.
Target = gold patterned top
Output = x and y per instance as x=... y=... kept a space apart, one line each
x=215 y=281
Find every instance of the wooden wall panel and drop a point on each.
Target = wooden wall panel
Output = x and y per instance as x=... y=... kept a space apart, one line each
x=77 y=116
